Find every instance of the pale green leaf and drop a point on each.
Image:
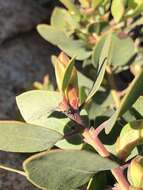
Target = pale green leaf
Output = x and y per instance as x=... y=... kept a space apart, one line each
x=84 y=3
x=131 y=135
x=135 y=7
x=70 y=6
x=96 y=3
x=84 y=81
x=138 y=105
x=35 y=108
x=23 y=137
x=117 y=9
x=62 y=20
x=63 y=170
x=35 y=104
x=74 y=48
x=67 y=74
x=119 y=58
x=105 y=59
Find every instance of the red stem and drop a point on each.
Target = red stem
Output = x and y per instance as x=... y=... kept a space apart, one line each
x=91 y=137
x=118 y=174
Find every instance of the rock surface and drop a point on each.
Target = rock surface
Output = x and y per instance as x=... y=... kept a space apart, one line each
x=18 y=16
x=24 y=58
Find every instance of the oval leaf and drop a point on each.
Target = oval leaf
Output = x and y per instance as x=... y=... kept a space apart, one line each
x=62 y=20
x=138 y=106
x=62 y=170
x=96 y=3
x=131 y=135
x=35 y=107
x=121 y=57
x=70 y=6
x=117 y=9
x=23 y=137
x=35 y=104
x=59 y=38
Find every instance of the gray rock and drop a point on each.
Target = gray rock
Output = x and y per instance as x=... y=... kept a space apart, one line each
x=13 y=181
x=18 y=16
x=24 y=58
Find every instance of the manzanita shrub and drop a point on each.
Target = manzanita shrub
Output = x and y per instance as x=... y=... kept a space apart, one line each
x=84 y=134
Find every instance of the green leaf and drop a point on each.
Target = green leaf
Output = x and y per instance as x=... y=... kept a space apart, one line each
x=117 y=9
x=99 y=181
x=97 y=51
x=70 y=6
x=103 y=61
x=67 y=75
x=123 y=50
x=138 y=10
x=135 y=7
x=132 y=94
x=100 y=104
x=35 y=107
x=85 y=84
x=63 y=170
x=23 y=137
x=84 y=81
x=121 y=57
x=36 y=104
x=74 y=48
x=138 y=105
x=84 y=3
x=130 y=136
x=96 y=3
x=65 y=126
x=62 y=20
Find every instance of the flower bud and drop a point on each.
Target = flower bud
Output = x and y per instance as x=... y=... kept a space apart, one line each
x=71 y=92
x=60 y=66
x=135 y=172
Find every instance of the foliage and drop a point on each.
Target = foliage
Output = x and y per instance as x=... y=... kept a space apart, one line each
x=92 y=121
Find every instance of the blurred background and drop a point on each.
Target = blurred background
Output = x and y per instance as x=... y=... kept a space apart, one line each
x=24 y=58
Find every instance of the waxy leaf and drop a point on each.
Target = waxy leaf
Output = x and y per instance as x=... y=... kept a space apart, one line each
x=96 y=3
x=62 y=20
x=70 y=6
x=135 y=7
x=74 y=48
x=121 y=57
x=138 y=105
x=84 y=81
x=117 y=9
x=24 y=137
x=67 y=74
x=84 y=3
x=103 y=61
x=135 y=172
x=66 y=126
x=36 y=104
x=62 y=170
x=98 y=182
x=131 y=135
x=132 y=94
